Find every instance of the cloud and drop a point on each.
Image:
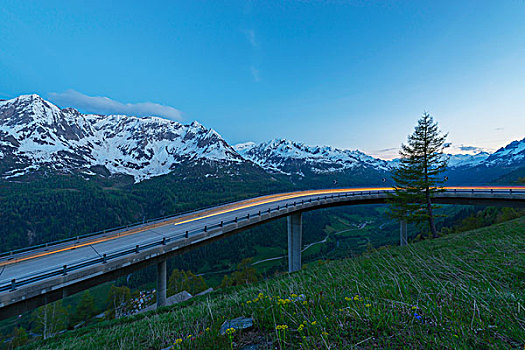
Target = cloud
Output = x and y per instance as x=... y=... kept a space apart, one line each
x=388 y=149
x=254 y=70
x=255 y=74
x=250 y=36
x=386 y=153
x=466 y=149
x=470 y=148
x=105 y=105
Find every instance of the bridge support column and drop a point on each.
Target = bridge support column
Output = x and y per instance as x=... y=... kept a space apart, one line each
x=161 y=283
x=403 y=233
x=295 y=235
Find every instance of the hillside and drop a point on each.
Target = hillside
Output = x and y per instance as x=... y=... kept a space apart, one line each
x=462 y=291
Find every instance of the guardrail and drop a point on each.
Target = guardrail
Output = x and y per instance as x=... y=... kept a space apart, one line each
x=65 y=269
x=113 y=229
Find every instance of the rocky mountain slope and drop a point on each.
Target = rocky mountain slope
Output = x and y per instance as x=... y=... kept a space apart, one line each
x=289 y=157
x=512 y=154
x=35 y=135
x=504 y=166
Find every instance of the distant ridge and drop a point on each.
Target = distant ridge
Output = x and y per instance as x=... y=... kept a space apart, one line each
x=36 y=136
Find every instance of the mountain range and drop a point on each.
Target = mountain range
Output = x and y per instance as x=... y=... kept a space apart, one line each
x=38 y=137
x=35 y=134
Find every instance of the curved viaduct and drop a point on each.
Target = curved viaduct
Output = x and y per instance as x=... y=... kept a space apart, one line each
x=37 y=275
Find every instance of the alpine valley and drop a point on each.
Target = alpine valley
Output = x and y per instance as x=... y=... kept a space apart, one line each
x=64 y=173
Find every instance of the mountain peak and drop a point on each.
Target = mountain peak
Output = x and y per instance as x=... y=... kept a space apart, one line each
x=32 y=103
x=29 y=97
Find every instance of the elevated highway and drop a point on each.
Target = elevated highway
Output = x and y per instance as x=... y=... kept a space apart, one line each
x=39 y=275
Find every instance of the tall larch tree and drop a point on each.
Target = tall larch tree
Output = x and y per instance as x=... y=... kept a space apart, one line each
x=418 y=176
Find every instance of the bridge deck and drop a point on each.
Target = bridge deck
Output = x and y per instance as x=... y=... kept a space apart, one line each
x=35 y=276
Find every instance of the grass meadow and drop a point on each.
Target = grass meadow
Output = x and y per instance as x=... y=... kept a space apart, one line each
x=461 y=291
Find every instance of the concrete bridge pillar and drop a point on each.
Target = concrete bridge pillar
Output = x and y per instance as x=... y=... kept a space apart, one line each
x=295 y=237
x=161 y=283
x=403 y=233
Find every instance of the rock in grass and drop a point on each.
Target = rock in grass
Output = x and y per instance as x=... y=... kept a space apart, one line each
x=237 y=324
x=209 y=290
x=174 y=299
x=250 y=347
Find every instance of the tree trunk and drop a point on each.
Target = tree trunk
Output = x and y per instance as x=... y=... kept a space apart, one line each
x=430 y=215
x=427 y=195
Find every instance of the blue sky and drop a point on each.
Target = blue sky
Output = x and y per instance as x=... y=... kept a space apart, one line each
x=352 y=74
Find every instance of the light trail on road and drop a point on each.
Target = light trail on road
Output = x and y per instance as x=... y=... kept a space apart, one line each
x=250 y=203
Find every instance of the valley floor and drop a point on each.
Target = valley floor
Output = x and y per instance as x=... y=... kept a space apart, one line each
x=461 y=291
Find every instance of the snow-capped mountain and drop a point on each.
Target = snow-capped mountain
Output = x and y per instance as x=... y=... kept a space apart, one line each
x=503 y=166
x=352 y=166
x=513 y=153
x=454 y=160
x=36 y=134
x=288 y=157
x=467 y=160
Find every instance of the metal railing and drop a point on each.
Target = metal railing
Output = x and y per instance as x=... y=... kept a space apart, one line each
x=114 y=230
x=65 y=269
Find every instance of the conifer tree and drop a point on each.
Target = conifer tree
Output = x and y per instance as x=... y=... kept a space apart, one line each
x=418 y=176
x=85 y=308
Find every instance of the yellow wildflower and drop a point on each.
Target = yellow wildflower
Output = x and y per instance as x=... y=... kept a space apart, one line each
x=178 y=341
x=368 y=305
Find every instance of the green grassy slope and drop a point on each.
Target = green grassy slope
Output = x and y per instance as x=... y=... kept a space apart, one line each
x=462 y=291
